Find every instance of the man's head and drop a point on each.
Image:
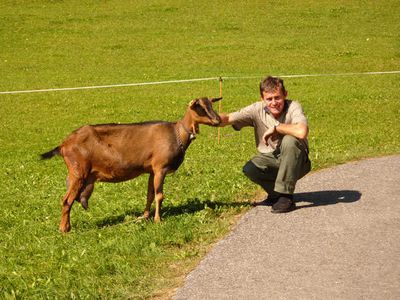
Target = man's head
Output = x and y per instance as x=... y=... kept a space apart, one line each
x=273 y=94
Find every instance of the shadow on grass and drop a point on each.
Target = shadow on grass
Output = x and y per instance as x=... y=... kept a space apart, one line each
x=118 y=219
x=194 y=205
x=321 y=198
x=191 y=206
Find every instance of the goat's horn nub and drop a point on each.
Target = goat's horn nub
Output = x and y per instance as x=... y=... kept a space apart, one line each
x=216 y=99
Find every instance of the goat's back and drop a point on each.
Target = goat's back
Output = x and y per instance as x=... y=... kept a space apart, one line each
x=126 y=148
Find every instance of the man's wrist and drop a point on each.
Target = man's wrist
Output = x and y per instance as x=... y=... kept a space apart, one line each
x=277 y=123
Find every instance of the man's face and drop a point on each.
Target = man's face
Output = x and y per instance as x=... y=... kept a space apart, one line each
x=274 y=101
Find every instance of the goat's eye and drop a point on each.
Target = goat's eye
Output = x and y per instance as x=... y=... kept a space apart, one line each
x=201 y=111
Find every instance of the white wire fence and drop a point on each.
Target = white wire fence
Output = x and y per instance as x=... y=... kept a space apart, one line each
x=219 y=78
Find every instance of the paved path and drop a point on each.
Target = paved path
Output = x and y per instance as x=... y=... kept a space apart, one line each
x=343 y=242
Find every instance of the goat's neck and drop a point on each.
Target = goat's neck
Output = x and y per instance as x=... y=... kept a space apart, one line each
x=190 y=124
x=187 y=129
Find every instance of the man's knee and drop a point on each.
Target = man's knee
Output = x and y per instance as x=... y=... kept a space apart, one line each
x=290 y=141
x=250 y=170
x=291 y=145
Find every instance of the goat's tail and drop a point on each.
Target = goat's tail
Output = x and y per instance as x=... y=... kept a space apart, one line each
x=51 y=153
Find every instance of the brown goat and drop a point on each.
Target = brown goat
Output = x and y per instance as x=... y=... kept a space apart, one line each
x=119 y=152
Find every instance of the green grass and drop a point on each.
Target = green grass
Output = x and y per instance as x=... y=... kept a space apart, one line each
x=108 y=254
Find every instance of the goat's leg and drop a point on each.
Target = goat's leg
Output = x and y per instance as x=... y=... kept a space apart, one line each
x=77 y=176
x=159 y=195
x=74 y=187
x=150 y=196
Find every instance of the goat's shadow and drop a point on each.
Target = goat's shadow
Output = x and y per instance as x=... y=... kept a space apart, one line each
x=194 y=205
x=330 y=197
x=191 y=206
x=317 y=198
x=118 y=219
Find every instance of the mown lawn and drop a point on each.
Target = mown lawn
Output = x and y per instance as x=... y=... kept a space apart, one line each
x=53 y=44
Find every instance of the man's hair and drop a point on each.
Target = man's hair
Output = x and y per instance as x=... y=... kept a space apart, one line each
x=270 y=84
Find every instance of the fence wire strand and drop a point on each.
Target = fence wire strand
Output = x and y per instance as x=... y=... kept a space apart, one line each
x=192 y=80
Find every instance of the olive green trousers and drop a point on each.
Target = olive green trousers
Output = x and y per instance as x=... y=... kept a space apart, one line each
x=277 y=172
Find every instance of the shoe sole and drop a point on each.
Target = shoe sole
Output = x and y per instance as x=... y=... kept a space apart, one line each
x=291 y=208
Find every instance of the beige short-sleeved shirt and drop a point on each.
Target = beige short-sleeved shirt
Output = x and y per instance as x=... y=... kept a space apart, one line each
x=258 y=116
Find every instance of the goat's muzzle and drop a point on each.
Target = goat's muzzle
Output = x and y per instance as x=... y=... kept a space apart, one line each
x=216 y=121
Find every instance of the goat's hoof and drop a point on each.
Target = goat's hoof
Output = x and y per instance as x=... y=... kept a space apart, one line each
x=144 y=217
x=65 y=229
x=157 y=220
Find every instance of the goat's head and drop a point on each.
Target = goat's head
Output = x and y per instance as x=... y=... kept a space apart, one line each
x=202 y=112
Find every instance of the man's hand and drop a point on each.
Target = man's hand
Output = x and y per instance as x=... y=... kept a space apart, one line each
x=269 y=133
x=224 y=120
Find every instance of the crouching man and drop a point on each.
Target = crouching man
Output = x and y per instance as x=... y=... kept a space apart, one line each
x=280 y=129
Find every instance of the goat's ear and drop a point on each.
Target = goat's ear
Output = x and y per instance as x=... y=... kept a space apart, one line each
x=193 y=103
x=216 y=99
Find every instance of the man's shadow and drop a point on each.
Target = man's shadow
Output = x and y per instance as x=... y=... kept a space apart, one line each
x=321 y=198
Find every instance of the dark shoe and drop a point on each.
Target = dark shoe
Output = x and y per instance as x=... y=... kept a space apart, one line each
x=269 y=201
x=283 y=205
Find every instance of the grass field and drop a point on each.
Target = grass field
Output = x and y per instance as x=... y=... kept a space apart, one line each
x=56 y=44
